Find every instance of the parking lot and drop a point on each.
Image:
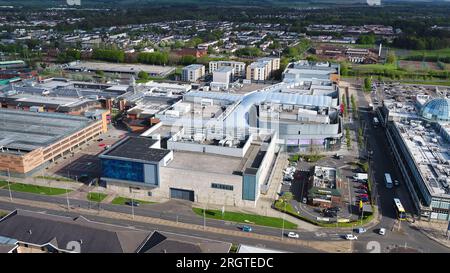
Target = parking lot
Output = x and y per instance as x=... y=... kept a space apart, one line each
x=83 y=164
x=350 y=189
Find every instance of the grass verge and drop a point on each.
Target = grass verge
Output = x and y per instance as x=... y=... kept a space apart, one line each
x=96 y=196
x=37 y=189
x=246 y=218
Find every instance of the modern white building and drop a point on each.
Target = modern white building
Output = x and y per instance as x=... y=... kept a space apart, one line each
x=193 y=72
x=222 y=78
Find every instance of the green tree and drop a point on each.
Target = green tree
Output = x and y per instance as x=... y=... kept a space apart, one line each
x=142 y=75
x=391 y=58
x=157 y=58
x=248 y=52
x=287 y=196
x=109 y=55
x=348 y=138
x=344 y=69
x=188 y=59
x=367 y=84
x=367 y=39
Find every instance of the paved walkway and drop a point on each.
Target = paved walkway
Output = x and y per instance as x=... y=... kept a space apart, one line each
x=434 y=230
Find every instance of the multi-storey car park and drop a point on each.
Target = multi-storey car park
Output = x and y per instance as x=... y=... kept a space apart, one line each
x=29 y=140
x=418 y=131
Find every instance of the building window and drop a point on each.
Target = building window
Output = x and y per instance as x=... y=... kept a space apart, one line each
x=221 y=186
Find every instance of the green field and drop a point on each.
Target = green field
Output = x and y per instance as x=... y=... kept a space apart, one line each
x=388 y=67
x=96 y=196
x=246 y=218
x=3 y=183
x=445 y=52
x=37 y=189
x=121 y=201
x=438 y=83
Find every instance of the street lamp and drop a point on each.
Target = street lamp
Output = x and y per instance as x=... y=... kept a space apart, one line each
x=67 y=193
x=9 y=186
x=284 y=215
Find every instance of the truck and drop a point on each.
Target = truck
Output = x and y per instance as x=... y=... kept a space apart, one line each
x=361 y=176
x=388 y=180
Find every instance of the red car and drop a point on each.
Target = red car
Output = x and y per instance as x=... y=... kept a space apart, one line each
x=102 y=145
x=363 y=196
x=363 y=187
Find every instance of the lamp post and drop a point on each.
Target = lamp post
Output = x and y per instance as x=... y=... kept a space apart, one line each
x=204 y=216
x=284 y=215
x=9 y=186
x=67 y=193
x=132 y=205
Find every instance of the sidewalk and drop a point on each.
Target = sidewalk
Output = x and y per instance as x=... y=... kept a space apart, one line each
x=433 y=230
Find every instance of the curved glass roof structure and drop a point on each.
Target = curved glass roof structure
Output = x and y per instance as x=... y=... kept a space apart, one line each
x=239 y=115
x=436 y=110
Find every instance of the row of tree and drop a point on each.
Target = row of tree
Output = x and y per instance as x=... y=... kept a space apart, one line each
x=156 y=58
x=109 y=55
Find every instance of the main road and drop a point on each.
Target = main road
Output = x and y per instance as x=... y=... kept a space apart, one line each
x=399 y=235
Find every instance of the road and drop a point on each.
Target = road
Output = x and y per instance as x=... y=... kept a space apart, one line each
x=145 y=226
x=382 y=161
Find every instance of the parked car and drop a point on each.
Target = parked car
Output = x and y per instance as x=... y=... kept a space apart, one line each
x=293 y=235
x=338 y=156
x=100 y=139
x=350 y=237
x=361 y=191
x=287 y=178
x=364 y=199
x=247 y=229
x=382 y=231
x=286 y=183
x=396 y=183
x=83 y=178
x=363 y=196
x=329 y=213
x=132 y=203
x=364 y=187
x=305 y=200
x=360 y=230
x=335 y=209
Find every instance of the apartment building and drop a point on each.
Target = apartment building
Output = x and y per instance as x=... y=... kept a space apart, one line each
x=263 y=68
x=193 y=72
x=239 y=67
